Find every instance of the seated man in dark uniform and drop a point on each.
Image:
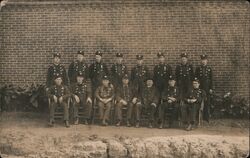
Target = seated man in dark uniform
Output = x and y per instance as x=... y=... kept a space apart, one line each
x=124 y=97
x=58 y=95
x=192 y=103
x=170 y=102
x=105 y=95
x=149 y=100
x=81 y=92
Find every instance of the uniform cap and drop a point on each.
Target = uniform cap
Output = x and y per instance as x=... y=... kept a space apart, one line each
x=139 y=57
x=160 y=54
x=171 y=77
x=56 y=54
x=125 y=76
x=98 y=53
x=119 y=55
x=80 y=52
x=196 y=80
x=105 y=77
x=80 y=74
x=204 y=56
x=184 y=55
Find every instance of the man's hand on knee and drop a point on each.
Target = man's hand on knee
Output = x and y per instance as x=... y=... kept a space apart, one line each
x=54 y=99
x=77 y=99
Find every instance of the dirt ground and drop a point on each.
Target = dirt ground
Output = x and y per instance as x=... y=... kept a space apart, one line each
x=27 y=135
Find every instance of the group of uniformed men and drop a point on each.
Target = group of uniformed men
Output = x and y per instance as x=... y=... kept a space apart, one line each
x=182 y=93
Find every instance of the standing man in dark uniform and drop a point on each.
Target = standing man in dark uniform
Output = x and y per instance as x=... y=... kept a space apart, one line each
x=58 y=95
x=205 y=76
x=78 y=66
x=55 y=70
x=192 y=104
x=184 y=75
x=97 y=70
x=118 y=70
x=81 y=92
x=139 y=74
x=162 y=71
x=170 y=102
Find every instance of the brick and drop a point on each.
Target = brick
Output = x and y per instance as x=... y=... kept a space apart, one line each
x=31 y=30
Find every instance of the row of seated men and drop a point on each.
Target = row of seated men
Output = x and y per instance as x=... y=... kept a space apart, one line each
x=126 y=95
x=105 y=90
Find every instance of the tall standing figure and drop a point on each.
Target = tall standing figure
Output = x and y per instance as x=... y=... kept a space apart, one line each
x=97 y=70
x=162 y=71
x=184 y=75
x=139 y=74
x=56 y=69
x=78 y=66
x=118 y=70
x=205 y=76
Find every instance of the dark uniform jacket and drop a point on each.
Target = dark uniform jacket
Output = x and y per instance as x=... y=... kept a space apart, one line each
x=105 y=92
x=125 y=92
x=198 y=94
x=74 y=69
x=204 y=74
x=161 y=75
x=139 y=74
x=96 y=73
x=149 y=95
x=83 y=90
x=56 y=70
x=117 y=72
x=59 y=91
x=170 y=92
x=184 y=77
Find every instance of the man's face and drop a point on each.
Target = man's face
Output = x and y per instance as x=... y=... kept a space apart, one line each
x=184 y=60
x=125 y=81
x=140 y=62
x=56 y=60
x=196 y=84
x=161 y=59
x=80 y=57
x=98 y=58
x=119 y=60
x=79 y=79
x=150 y=83
x=171 y=83
x=204 y=61
x=105 y=83
x=58 y=81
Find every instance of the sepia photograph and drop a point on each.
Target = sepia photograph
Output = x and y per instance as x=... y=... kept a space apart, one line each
x=124 y=78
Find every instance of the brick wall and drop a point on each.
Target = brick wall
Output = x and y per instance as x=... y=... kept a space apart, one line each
x=30 y=30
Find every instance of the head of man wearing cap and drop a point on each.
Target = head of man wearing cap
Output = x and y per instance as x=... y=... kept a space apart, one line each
x=98 y=56
x=184 y=58
x=196 y=83
x=119 y=58
x=161 y=57
x=139 y=59
x=80 y=55
x=171 y=81
x=204 y=59
x=105 y=81
x=80 y=78
x=125 y=80
x=56 y=58
x=58 y=80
